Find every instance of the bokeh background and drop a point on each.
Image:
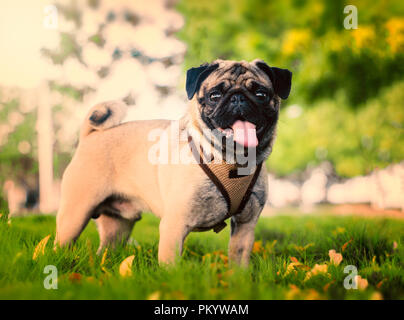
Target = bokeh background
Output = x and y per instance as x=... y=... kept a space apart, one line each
x=341 y=132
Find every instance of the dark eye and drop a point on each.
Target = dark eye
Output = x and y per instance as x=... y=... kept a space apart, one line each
x=215 y=96
x=261 y=94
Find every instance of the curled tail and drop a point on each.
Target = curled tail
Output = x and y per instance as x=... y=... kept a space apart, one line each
x=103 y=116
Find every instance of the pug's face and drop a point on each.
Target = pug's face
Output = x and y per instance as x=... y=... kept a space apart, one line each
x=240 y=99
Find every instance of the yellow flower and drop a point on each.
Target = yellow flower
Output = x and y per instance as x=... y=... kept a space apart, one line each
x=206 y=256
x=40 y=248
x=257 y=248
x=312 y=295
x=154 y=296
x=103 y=260
x=317 y=269
x=104 y=256
x=363 y=36
x=293 y=292
x=395 y=38
x=296 y=40
x=125 y=268
x=294 y=265
x=336 y=41
x=301 y=249
x=376 y=296
x=338 y=230
x=361 y=283
x=335 y=258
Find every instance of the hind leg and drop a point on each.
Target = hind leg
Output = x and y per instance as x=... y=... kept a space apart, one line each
x=113 y=229
x=71 y=219
x=79 y=197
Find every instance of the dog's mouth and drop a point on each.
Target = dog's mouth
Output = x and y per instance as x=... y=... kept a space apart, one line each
x=243 y=132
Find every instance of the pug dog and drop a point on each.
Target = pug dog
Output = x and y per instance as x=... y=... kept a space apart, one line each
x=112 y=179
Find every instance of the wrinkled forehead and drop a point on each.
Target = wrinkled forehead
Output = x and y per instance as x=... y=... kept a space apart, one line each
x=231 y=74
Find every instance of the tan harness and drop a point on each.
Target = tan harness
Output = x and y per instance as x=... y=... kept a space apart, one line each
x=235 y=189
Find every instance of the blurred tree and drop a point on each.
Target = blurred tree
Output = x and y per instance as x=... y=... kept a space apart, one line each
x=17 y=142
x=305 y=36
x=341 y=78
x=99 y=50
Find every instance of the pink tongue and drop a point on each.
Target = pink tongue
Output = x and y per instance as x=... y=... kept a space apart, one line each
x=245 y=133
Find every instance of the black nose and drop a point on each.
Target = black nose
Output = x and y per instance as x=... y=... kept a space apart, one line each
x=238 y=99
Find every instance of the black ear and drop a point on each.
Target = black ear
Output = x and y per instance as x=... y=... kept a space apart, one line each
x=195 y=77
x=280 y=78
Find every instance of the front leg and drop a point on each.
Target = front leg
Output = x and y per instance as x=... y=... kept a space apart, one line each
x=172 y=235
x=241 y=240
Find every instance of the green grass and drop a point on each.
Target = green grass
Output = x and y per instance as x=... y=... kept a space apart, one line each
x=203 y=273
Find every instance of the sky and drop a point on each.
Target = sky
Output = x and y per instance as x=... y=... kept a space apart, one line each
x=22 y=34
